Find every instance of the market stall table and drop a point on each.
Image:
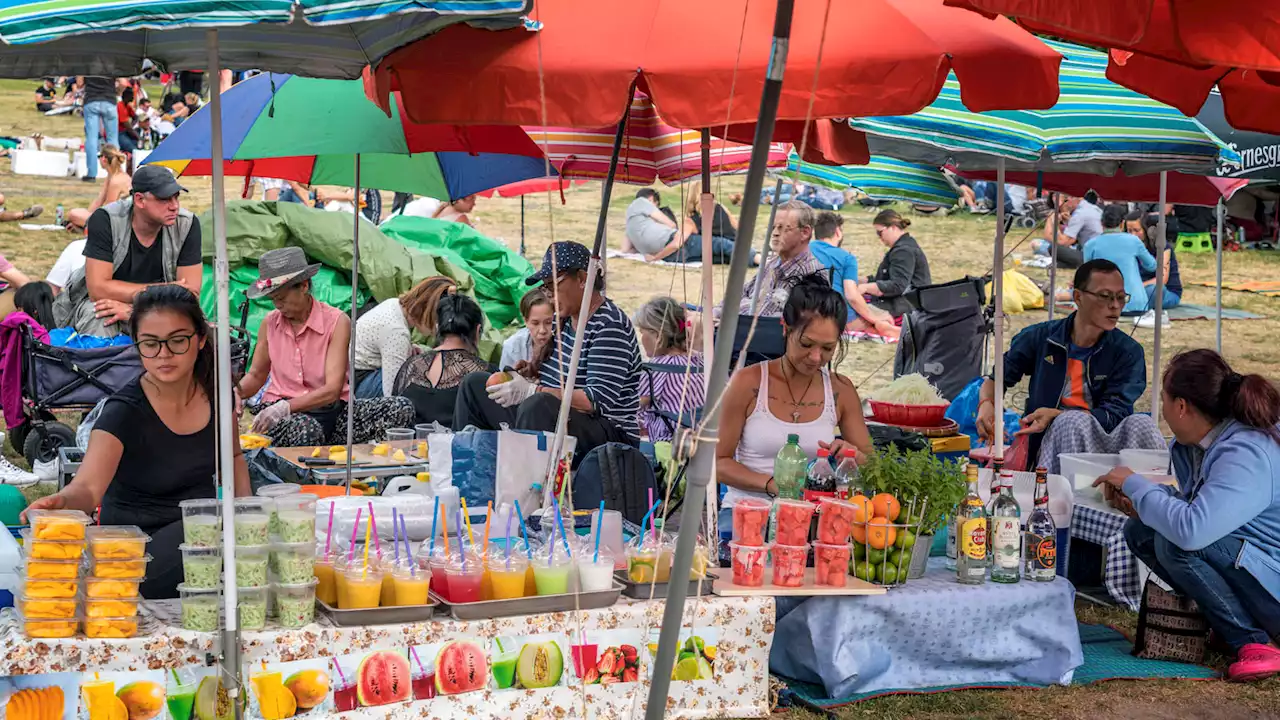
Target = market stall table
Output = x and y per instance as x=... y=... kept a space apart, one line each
x=930 y=632
x=1096 y=522
x=739 y=631
x=364 y=463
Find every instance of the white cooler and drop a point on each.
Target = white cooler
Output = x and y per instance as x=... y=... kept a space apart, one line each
x=1061 y=505
x=45 y=163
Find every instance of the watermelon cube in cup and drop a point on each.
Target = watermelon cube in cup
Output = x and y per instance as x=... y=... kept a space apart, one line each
x=792 y=520
x=788 y=564
x=835 y=521
x=830 y=564
x=750 y=520
x=748 y=564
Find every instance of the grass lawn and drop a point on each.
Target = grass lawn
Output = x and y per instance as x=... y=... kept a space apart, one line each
x=956 y=246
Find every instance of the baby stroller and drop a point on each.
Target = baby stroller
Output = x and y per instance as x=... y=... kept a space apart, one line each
x=75 y=379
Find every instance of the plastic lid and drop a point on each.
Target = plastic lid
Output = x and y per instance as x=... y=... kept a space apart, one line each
x=849 y=452
x=252 y=549
x=278 y=489
x=116 y=532
x=793 y=438
x=35 y=516
x=27 y=539
x=793 y=501
x=252 y=504
x=823 y=452
x=758 y=502
x=201 y=549
x=109 y=561
x=791 y=548
x=294 y=586
x=200 y=503
x=184 y=589
x=96 y=579
x=296 y=546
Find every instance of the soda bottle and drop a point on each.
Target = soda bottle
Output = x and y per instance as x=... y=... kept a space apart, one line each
x=971 y=532
x=847 y=474
x=822 y=478
x=1006 y=532
x=1039 y=544
x=791 y=469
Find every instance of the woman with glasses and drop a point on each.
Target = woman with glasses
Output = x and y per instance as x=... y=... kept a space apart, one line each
x=903 y=267
x=154 y=444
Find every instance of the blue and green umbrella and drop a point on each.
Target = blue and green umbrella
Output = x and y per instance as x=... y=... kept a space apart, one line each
x=884 y=178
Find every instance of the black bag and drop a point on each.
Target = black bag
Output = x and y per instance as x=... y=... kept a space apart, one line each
x=620 y=475
x=1170 y=627
x=943 y=337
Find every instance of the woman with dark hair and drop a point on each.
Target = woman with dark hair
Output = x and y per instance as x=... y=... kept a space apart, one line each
x=797 y=394
x=520 y=351
x=383 y=340
x=903 y=267
x=1216 y=538
x=1172 y=277
x=153 y=445
x=36 y=300
x=431 y=380
x=674 y=382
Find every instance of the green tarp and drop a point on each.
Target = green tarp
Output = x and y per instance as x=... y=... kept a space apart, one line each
x=389 y=265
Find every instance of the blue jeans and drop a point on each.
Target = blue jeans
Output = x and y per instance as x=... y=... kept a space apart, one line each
x=370 y=387
x=1171 y=299
x=1239 y=609
x=721 y=250
x=98 y=115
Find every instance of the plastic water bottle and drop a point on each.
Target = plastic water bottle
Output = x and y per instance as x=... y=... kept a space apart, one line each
x=822 y=478
x=59 y=215
x=847 y=474
x=791 y=469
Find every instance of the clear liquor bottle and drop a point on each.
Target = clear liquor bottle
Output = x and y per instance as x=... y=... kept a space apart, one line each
x=1039 y=544
x=1006 y=534
x=993 y=492
x=971 y=533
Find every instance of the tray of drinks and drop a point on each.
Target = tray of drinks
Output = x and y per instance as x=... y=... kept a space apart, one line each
x=531 y=605
x=658 y=591
x=387 y=615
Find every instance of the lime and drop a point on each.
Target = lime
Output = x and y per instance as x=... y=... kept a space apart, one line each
x=874 y=556
x=859 y=551
x=906 y=539
x=864 y=571
x=686 y=670
x=896 y=560
x=705 y=671
x=887 y=574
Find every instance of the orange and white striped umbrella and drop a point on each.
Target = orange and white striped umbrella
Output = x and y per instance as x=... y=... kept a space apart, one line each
x=651 y=150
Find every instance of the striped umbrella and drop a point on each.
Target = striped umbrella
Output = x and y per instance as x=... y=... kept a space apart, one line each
x=651 y=150
x=883 y=178
x=318 y=38
x=1097 y=127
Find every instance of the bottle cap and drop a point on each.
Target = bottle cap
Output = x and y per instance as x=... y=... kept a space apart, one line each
x=848 y=452
x=793 y=438
x=823 y=452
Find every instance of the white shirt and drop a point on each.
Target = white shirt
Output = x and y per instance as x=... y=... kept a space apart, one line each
x=420 y=207
x=382 y=341
x=516 y=348
x=71 y=259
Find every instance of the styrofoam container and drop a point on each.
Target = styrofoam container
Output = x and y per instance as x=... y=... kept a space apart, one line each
x=40 y=162
x=1146 y=462
x=1081 y=469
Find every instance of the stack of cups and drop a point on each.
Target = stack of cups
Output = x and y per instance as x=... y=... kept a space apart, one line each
x=748 y=549
x=790 y=551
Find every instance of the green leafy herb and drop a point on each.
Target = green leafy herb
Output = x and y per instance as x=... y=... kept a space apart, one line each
x=916 y=477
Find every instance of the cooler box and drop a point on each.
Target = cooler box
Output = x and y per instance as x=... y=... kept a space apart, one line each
x=45 y=163
x=1061 y=505
x=1081 y=469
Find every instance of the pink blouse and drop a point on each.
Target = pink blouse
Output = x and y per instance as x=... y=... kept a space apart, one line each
x=297 y=358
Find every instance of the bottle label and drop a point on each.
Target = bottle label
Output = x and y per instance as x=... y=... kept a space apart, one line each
x=813 y=495
x=1042 y=552
x=973 y=538
x=1008 y=539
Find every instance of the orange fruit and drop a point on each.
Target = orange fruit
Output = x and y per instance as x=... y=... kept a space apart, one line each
x=886 y=506
x=859 y=533
x=861 y=509
x=880 y=533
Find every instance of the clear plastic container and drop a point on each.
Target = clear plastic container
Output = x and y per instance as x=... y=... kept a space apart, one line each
x=360 y=588
x=118 y=542
x=112 y=608
x=252 y=602
x=831 y=564
x=51 y=588
x=296 y=518
x=111 y=588
x=296 y=603
x=51 y=569
x=119 y=568
x=201 y=522
x=835 y=521
x=294 y=563
x=58 y=524
x=49 y=629
x=595 y=575
x=201 y=608
x=251 y=565
x=788 y=564
x=750 y=521
x=48 y=608
x=111 y=627
x=791 y=521
x=253 y=520
x=51 y=549
x=201 y=566
x=748 y=564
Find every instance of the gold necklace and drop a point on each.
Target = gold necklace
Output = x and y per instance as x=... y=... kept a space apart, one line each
x=795 y=404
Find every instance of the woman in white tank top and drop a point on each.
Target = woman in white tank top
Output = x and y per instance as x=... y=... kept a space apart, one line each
x=795 y=394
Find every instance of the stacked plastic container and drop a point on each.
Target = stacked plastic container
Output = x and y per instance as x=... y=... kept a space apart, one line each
x=748 y=550
x=292 y=560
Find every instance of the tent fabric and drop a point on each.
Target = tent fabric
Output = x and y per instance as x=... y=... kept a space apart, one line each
x=884 y=178
x=320 y=38
x=1259 y=152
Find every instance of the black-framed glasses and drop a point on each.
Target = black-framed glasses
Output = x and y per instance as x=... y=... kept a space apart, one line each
x=1108 y=298
x=177 y=344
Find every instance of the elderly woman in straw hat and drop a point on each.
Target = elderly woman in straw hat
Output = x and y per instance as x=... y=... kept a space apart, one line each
x=302 y=347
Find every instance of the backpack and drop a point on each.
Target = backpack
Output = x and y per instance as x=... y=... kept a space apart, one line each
x=618 y=474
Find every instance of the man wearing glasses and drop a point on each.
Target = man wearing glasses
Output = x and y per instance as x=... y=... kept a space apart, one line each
x=145 y=239
x=790 y=259
x=1084 y=377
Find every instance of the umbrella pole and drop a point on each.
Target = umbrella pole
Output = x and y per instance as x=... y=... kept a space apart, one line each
x=997 y=298
x=355 y=300
x=708 y=281
x=522 y=226
x=1053 y=260
x=1221 y=239
x=224 y=402
x=702 y=465
x=1159 y=296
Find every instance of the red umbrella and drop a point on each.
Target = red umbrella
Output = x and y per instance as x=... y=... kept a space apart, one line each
x=1183 y=189
x=1174 y=52
x=530 y=187
x=703 y=62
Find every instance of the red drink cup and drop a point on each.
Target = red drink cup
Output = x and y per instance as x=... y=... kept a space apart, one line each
x=788 y=564
x=424 y=685
x=750 y=521
x=835 y=521
x=830 y=564
x=748 y=564
x=584 y=658
x=344 y=698
x=792 y=521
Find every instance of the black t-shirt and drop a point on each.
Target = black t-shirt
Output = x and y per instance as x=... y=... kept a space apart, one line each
x=721 y=223
x=143 y=265
x=99 y=89
x=46 y=93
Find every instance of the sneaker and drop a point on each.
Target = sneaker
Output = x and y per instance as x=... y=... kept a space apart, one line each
x=46 y=471
x=11 y=474
x=1254 y=662
x=1148 y=320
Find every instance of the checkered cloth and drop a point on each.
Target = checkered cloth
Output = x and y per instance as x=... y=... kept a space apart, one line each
x=1122 y=573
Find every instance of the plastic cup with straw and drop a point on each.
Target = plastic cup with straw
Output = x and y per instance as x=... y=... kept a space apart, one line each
x=465 y=578
x=524 y=532
x=342 y=700
x=420 y=677
x=555 y=578
x=373 y=522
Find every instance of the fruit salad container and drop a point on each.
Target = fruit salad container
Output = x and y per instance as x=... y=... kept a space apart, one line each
x=201 y=566
x=253 y=520
x=119 y=568
x=201 y=522
x=111 y=588
x=49 y=629
x=748 y=564
x=788 y=563
x=50 y=569
x=791 y=521
x=252 y=604
x=296 y=518
x=111 y=627
x=831 y=564
x=118 y=542
x=52 y=588
x=201 y=608
x=251 y=565
x=884 y=536
x=835 y=520
x=751 y=521
x=47 y=608
x=58 y=524
x=111 y=607
x=293 y=563
x=295 y=603
x=51 y=549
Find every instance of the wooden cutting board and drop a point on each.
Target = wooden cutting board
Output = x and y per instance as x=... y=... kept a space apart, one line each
x=724 y=587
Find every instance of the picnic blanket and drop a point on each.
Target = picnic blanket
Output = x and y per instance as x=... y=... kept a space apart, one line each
x=1270 y=288
x=639 y=257
x=1189 y=311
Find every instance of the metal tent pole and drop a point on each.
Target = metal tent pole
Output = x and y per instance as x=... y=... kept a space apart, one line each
x=1053 y=258
x=225 y=402
x=522 y=226
x=708 y=204
x=997 y=297
x=1221 y=239
x=1159 y=298
x=702 y=464
x=355 y=301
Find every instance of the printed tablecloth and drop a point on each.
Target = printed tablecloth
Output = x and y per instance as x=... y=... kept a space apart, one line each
x=1092 y=520
x=740 y=688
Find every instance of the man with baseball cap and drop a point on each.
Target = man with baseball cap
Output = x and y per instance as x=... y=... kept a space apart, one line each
x=144 y=239
x=605 y=406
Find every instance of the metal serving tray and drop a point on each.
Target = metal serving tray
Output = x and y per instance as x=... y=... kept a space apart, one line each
x=393 y=615
x=538 y=604
x=640 y=591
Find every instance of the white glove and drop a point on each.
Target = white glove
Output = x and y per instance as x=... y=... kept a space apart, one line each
x=513 y=392
x=270 y=416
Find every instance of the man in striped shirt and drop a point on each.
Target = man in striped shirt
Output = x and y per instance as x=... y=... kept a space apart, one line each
x=606 y=395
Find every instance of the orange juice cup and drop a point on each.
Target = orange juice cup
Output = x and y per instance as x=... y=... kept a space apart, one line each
x=509 y=581
x=388 y=566
x=326 y=581
x=412 y=585
x=364 y=588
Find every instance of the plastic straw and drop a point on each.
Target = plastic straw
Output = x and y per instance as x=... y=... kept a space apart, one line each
x=645 y=522
x=466 y=516
x=560 y=524
x=435 y=515
x=395 y=535
x=524 y=531
x=462 y=549
x=408 y=555
x=488 y=515
x=338 y=667
x=511 y=513
x=328 y=535
x=599 y=527
x=376 y=540
x=351 y=554
x=367 y=528
x=651 y=523
x=414 y=653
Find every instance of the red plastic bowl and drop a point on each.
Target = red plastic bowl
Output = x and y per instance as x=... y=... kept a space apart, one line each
x=909 y=415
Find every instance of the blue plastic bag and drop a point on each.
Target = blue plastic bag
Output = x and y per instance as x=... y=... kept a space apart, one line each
x=964 y=410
